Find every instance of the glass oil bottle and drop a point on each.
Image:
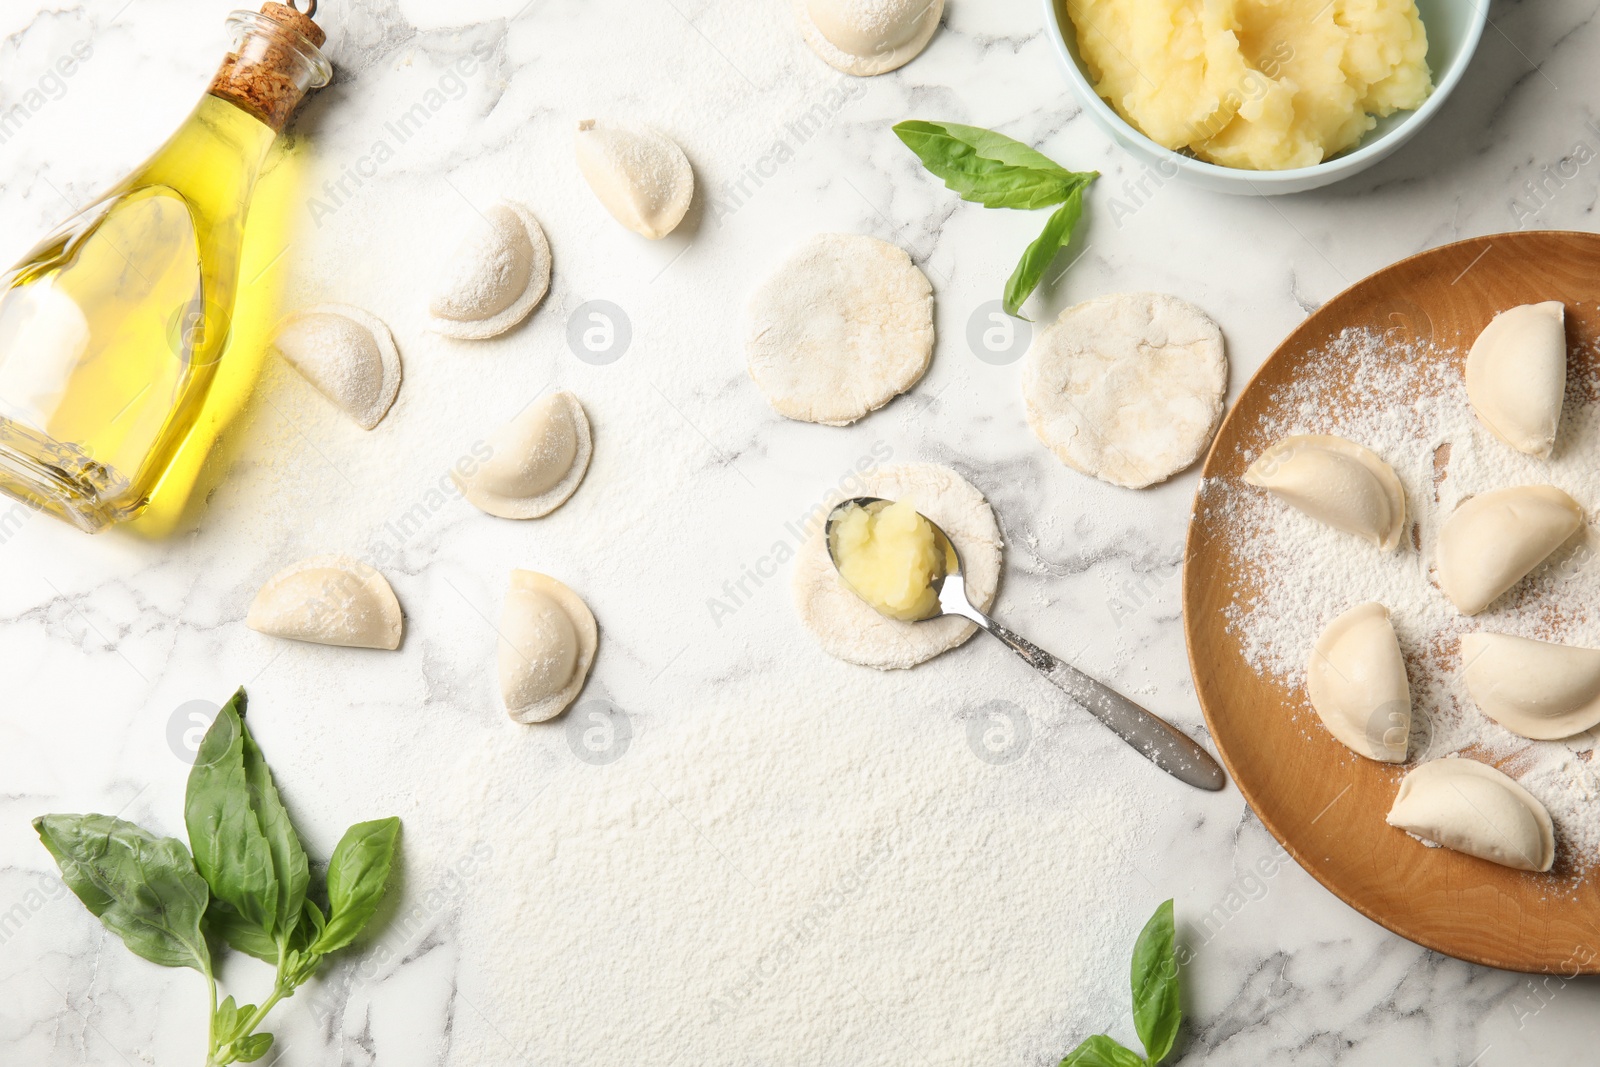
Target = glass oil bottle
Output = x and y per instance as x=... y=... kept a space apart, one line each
x=112 y=328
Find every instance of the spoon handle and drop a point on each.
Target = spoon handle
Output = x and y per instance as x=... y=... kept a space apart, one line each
x=1154 y=738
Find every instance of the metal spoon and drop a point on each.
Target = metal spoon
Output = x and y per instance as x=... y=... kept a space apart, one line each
x=1155 y=739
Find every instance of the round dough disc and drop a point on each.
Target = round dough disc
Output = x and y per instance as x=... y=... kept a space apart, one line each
x=922 y=16
x=1127 y=387
x=844 y=326
x=847 y=627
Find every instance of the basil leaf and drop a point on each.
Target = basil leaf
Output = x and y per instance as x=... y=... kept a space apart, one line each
x=144 y=888
x=356 y=876
x=1039 y=255
x=227 y=1018
x=252 y=1048
x=988 y=168
x=1101 y=1051
x=231 y=1019
x=983 y=143
x=229 y=848
x=312 y=923
x=226 y=924
x=1156 y=1008
x=289 y=867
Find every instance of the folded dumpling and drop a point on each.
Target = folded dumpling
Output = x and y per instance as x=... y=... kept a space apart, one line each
x=348 y=355
x=548 y=638
x=1533 y=688
x=1492 y=541
x=639 y=174
x=328 y=600
x=494 y=278
x=1517 y=375
x=535 y=461
x=1473 y=808
x=1357 y=683
x=1337 y=482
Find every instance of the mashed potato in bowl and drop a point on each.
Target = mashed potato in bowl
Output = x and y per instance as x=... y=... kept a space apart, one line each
x=1255 y=84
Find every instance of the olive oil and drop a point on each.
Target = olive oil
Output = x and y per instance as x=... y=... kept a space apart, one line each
x=112 y=329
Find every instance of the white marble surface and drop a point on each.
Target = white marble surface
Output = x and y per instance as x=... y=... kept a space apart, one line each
x=103 y=640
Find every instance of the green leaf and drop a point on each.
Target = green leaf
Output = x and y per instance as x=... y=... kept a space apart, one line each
x=231 y=1019
x=227 y=1018
x=1039 y=255
x=240 y=934
x=312 y=923
x=298 y=967
x=356 y=877
x=230 y=850
x=1156 y=1008
x=952 y=138
x=144 y=888
x=289 y=867
x=1101 y=1051
x=252 y=1048
x=988 y=168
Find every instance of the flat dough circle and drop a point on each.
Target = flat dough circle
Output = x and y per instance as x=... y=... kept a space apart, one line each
x=927 y=15
x=1127 y=387
x=846 y=627
x=841 y=328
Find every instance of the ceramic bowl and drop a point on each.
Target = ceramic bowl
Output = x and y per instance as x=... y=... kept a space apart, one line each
x=1454 y=29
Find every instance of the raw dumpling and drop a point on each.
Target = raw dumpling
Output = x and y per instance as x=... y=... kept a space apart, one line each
x=1357 y=683
x=535 y=463
x=640 y=175
x=865 y=37
x=1517 y=375
x=348 y=355
x=1473 y=808
x=547 y=644
x=844 y=326
x=1337 y=482
x=849 y=628
x=329 y=600
x=1533 y=688
x=1492 y=541
x=1127 y=387
x=499 y=273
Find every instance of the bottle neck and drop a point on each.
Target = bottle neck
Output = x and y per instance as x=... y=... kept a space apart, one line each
x=276 y=60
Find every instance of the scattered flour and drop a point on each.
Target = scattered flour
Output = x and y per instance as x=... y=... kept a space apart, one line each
x=851 y=894
x=1409 y=405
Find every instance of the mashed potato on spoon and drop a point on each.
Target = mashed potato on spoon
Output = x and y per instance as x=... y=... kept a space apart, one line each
x=1255 y=84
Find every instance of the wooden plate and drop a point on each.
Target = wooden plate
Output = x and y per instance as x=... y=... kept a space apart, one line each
x=1327 y=811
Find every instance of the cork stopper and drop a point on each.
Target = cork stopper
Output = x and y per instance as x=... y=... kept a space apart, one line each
x=297 y=20
x=275 y=61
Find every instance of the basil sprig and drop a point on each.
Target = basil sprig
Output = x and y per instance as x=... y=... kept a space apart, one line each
x=991 y=169
x=1157 y=1012
x=247 y=883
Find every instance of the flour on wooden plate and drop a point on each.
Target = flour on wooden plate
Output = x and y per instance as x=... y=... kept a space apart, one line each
x=1409 y=405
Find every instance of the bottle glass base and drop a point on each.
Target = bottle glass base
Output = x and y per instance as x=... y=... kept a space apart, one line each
x=62 y=481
